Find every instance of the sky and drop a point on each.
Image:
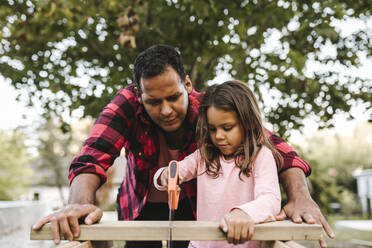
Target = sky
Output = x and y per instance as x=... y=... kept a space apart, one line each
x=14 y=113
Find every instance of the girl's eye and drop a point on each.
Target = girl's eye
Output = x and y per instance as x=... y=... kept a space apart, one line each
x=227 y=128
x=211 y=129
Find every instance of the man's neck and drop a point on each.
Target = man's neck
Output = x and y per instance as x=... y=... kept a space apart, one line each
x=176 y=139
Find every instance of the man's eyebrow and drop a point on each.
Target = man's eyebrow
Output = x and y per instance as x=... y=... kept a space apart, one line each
x=159 y=99
x=175 y=94
x=152 y=99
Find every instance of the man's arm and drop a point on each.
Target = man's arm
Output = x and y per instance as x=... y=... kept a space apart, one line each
x=88 y=168
x=294 y=182
x=300 y=205
x=82 y=195
x=83 y=189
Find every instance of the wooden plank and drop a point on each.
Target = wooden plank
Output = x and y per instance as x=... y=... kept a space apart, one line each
x=86 y=244
x=71 y=244
x=292 y=244
x=76 y=244
x=279 y=244
x=183 y=230
x=287 y=230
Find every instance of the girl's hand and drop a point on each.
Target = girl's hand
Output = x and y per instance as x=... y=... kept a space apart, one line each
x=164 y=177
x=238 y=225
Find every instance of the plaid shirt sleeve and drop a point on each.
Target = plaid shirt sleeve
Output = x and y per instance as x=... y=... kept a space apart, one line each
x=290 y=157
x=105 y=140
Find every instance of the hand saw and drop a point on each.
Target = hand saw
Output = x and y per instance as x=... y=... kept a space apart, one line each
x=173 y=196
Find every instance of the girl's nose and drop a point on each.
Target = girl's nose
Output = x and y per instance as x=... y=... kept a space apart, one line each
x=219 y=134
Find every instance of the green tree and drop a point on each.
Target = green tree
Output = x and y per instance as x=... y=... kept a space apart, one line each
x=54 y=156
x=75 y=54
x=333 y=160
x=15 y=173
x=56 y=150
x=323 y=187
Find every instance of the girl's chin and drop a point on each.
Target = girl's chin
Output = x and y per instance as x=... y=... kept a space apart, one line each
x=228 y=157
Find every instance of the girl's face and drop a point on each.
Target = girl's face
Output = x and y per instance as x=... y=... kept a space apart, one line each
x=225 y=130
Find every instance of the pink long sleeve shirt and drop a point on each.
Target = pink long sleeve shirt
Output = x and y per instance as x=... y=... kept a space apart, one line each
x=257 y=195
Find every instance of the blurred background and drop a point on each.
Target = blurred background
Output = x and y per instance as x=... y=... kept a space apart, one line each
x=62 y=61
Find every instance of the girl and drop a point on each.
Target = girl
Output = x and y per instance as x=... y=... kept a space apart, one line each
x=235 y=165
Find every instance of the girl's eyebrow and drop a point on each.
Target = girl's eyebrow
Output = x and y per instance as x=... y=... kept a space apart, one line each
x=229 y=122
x=223 y=124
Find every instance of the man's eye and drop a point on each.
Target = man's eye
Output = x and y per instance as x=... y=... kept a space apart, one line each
x=173 y=98
x=153 y=103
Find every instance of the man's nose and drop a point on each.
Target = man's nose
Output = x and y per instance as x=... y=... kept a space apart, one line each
x=166 y=109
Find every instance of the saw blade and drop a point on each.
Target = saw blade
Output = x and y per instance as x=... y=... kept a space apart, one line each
x=171 y=213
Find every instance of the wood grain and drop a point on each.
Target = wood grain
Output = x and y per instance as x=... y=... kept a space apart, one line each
x=183 y=230
x=76 y=244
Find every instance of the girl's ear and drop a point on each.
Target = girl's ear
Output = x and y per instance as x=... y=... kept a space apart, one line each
x=188 y=84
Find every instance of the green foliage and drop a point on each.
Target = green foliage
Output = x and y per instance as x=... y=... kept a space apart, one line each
x=52 y=49
x=15 y=173
x=333 y=160
x=56 y=149
x=323 y=187
x=350 y=204
x=54 y=154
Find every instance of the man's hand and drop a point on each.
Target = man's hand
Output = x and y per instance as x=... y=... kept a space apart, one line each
x=238 y=225
x=66 y=220
x=301 y=207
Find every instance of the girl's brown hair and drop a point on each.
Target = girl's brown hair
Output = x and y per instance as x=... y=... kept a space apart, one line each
x=234 y=96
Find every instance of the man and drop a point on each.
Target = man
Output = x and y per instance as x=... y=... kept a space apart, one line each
x=154 y=120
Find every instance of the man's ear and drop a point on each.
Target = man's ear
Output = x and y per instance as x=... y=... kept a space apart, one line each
x=188 y=84
x=138 y=94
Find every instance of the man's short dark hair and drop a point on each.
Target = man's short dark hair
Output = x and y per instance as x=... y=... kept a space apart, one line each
x=155 y=60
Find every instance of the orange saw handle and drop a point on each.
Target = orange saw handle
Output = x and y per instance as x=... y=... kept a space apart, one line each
x=172 y=185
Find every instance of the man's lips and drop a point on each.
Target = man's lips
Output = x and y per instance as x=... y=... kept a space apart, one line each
x=169 y=122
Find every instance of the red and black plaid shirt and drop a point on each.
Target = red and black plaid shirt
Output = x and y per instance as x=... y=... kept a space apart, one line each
x=125 y=123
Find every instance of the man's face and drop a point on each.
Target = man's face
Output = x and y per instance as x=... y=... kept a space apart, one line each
x=165 y=99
